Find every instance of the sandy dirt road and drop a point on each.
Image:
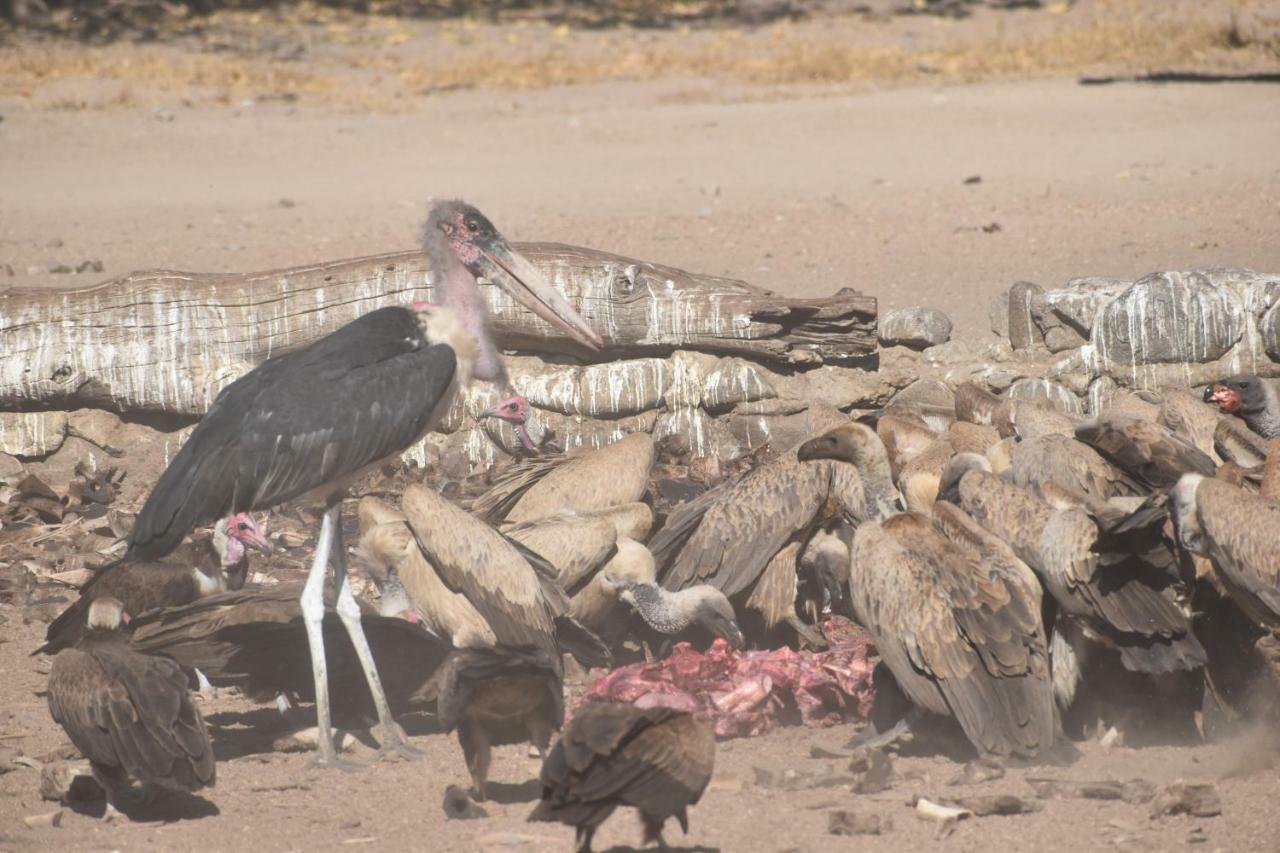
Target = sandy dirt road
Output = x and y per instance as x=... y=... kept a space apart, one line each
x=803 y=196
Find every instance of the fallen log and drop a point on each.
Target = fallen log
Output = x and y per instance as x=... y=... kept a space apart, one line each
x=167 y=342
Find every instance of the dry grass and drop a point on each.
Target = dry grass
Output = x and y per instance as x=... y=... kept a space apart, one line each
x=1121 y=36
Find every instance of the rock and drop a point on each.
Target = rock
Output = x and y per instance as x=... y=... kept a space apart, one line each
x=685 y=378
x=597 y=390
x=985 y=805
x=1171 y=317
x=916 y=327
x=1133 y=791
x=977 y=772
x=734 y=381
x=999 y=314
x=1198 y=800
x=458 y=805
x=790 y=779
x=11 y=468
x=306 y=740
x=1102 y=392
x=694 y=432
x=1046 y=392
x=39 y=821
x=872 y=769
x=1023 y=331
x=1078 y=303
x=32 y=434
x=775 y=406
x=64 y=781
x=841 y=822
x=1061 y=338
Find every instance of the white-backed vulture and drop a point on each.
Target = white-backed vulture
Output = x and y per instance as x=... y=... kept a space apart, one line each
x=955 y=616
x=658 y=760
x=1183 y=411
x=1233 y=441
x=585 y=481
x=1236 y=530
x=1151 y=454
x=131 y=715
x=729 y=536
x=1134 y=612
x=673 y=613
x=143 y=586
x=594 y=604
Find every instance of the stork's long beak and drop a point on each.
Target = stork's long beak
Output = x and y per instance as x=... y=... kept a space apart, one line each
x=515 y=274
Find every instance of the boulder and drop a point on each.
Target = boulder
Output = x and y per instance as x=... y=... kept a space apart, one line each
x=917 y=328
x=1168 y=318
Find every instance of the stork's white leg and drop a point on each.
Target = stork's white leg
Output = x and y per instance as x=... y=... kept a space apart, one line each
x=313 y=616
x=348 y=608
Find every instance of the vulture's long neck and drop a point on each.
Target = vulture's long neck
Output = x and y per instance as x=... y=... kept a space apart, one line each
x=882 y=496
x=459 y=291
x=664 y=611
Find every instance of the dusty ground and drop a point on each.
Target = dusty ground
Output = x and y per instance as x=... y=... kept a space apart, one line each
x=803 y=157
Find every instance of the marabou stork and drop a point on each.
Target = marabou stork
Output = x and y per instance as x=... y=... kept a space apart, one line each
x=305 y=425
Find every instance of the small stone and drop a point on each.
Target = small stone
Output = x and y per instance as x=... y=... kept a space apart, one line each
x=91 y=265
x=458 y=805
x=287 y=202
x=1198 y=799
x=842 y=822
x=977 y=772
x=872 y=769
x=39 y=821
x=55 y=243
x=998 y=314
x=917 y=328
x=1023 y=331
x=1063 y=337
x=68 y=782
x=997 y=804
x=57 y=268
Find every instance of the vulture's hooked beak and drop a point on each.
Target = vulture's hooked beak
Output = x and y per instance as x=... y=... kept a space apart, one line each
x=1229 y=402
x=733 y=636
x=515 y=274
x=256 y=537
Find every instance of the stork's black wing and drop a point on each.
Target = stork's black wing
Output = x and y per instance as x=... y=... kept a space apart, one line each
x=297 y=422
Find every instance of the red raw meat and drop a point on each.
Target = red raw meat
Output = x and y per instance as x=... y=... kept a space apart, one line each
x=744 y=693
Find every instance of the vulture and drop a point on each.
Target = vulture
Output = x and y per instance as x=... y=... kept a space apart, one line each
x=594 y=604
x=256 y=639
x=955 y=615
x=584 y=481
x=612 y=754
x=1252 y=398
x=146 y=585
x=745 y=537
x=1134 y=611
x=674 y=613
x=1233 y=441
x=303 y=426
x=129 y=714
x=1236 y=530
x=499 y=605
x=1153 y=455
x=1185 y=413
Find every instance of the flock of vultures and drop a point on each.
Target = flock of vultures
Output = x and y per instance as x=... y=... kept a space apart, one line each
x=1028 y=578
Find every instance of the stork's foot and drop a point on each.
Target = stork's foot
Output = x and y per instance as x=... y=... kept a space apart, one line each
x=112 y=814
x=393 y=741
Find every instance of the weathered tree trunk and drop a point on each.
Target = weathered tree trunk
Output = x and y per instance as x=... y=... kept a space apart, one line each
x=165 y=341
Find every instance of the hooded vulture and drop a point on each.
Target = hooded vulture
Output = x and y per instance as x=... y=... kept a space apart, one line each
x=143 y=586
x=255 y=639
x=131 y=715
x=658 y=760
